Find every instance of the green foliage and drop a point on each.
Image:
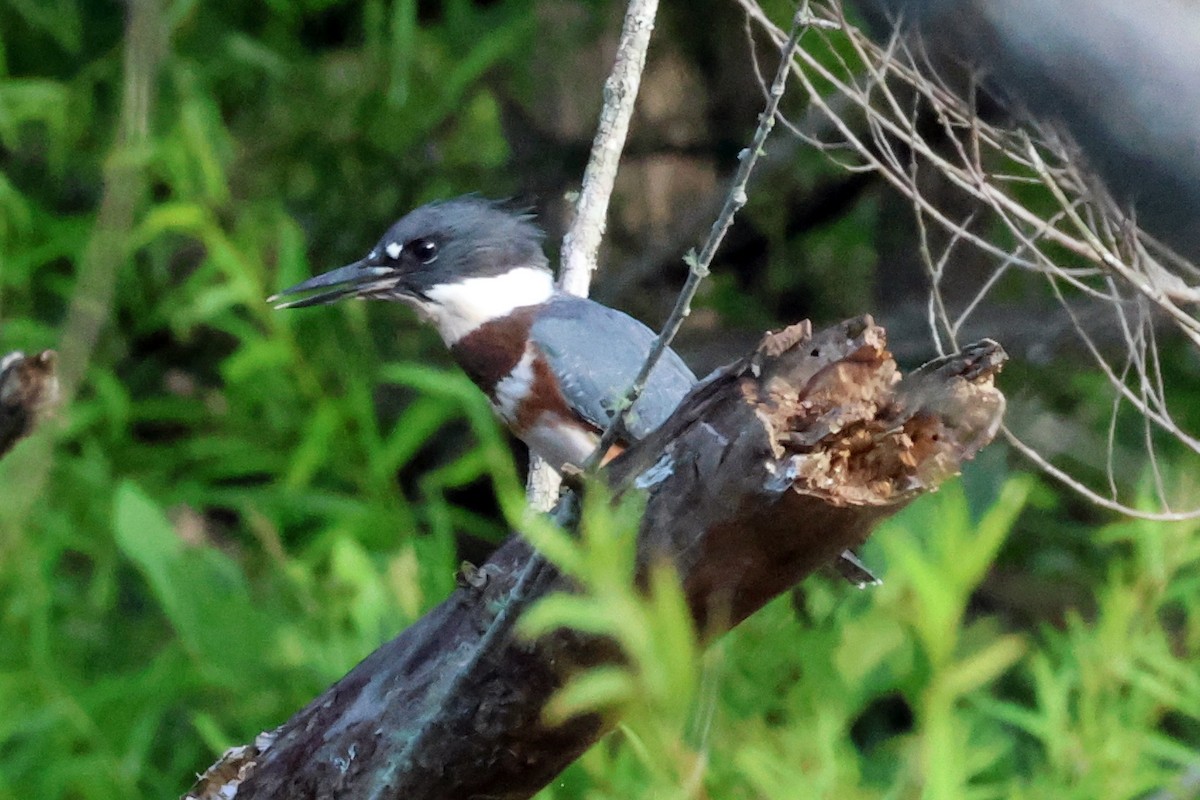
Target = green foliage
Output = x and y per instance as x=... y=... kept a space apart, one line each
x=654 y=631
x=655 y=687
x=238 y=505
x=901 y=691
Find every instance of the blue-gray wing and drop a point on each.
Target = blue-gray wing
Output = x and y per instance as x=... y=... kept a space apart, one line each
x=596 y=352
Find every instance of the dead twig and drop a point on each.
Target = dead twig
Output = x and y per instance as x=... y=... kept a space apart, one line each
x=1017 y=195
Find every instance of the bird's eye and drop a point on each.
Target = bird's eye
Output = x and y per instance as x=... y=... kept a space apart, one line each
x=424 y=250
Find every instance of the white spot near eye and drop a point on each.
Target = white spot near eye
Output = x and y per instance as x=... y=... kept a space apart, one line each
x=394 y=249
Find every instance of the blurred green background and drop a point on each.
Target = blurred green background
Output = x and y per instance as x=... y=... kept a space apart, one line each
x=236 y=505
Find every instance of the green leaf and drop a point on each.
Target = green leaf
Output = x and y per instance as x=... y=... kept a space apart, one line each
x=200 y=591
x=595 y=690
x=984 y=666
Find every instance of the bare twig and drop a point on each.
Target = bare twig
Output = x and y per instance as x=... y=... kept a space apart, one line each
x=578 y=261
x=582 y=240
x=698 y=264
x=106 y=249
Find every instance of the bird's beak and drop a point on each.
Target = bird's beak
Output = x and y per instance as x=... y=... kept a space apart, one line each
x=360 y=279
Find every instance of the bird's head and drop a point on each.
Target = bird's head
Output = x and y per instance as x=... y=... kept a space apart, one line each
x=459 y=263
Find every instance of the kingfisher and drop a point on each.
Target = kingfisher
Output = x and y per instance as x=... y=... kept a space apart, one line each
x=554 y=366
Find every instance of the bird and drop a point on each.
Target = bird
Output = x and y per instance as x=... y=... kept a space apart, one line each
x=555 y=367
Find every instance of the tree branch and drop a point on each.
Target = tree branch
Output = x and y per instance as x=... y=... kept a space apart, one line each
x=582 y=240
x=125 y=178
x=765 y=473
x=620 y=91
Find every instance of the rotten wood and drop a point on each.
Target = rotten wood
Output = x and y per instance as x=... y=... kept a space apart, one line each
x=767 y=471
x=28 y=392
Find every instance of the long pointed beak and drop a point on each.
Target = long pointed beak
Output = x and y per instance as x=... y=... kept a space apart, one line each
x=354 y=280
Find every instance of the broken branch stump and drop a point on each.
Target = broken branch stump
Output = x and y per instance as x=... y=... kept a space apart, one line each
x=767 y=471
x=28 y=391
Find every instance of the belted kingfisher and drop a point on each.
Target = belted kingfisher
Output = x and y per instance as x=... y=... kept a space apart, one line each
x=554 y=366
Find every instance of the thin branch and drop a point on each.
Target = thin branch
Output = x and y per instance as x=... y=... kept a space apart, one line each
x=620 y=91
x=1065 y=478
x=106 y=252
x=698 y=264
x=582 y=240
x=1036 y=207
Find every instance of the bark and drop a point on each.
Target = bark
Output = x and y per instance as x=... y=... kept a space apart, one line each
x=766 y=472
x=28 y=390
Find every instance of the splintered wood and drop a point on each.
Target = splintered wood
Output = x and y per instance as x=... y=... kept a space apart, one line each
x=853 y=431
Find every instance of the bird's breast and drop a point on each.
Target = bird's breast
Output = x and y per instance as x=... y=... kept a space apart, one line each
x=529 y=401
x=512 y=395
x=494 y=350
x=523 y=390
